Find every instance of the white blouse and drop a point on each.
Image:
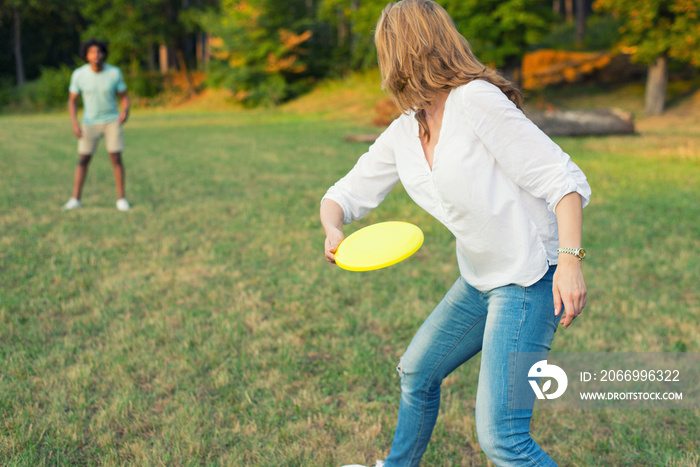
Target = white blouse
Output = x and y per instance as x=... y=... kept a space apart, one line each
x=495 y=182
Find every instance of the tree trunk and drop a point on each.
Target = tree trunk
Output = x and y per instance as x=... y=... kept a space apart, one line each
x=342 y=28
x=202 y=50
x=513 y=70
x=580 y=21
x=183 y=69
x=655 y=94
x=17 y=45
x=163 y=58
x=569 y=5
x=199 y=50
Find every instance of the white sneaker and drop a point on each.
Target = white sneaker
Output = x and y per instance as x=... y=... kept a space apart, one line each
x=378 y=464
x=72 y=203
x=123 y=204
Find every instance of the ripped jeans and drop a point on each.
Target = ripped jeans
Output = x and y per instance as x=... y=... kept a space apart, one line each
x=497 y=323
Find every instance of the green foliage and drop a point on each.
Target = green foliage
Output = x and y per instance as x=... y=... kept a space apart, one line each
x=342 y=39
x=144 y=84
x=259 y=52
x=601 y=35
x=7 y=91
x=49 y=91
x=266 y=51
x=127 y=25
x=50 y=34
x=652 y=28
x=134 y=28
x=500 y=31
x=353 y=24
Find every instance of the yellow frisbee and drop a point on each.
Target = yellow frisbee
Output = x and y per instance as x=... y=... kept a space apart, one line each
x=378 y=246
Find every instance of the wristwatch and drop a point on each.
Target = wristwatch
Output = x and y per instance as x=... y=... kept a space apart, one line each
x=580 y=253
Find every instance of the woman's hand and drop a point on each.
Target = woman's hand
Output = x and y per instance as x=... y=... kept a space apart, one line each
x=569 y=288
x=332 y=221
x=333 y=238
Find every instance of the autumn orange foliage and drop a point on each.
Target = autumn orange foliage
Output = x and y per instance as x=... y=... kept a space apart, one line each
x=545 y=67
x=284 y=60
x=290 y=41
x=180 y=79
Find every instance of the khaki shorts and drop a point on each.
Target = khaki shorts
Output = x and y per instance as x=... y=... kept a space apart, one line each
x=112 y=131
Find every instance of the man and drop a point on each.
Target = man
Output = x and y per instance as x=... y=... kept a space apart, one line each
x=100 y=84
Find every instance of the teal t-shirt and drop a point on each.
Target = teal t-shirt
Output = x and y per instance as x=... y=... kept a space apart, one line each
x=99 y=91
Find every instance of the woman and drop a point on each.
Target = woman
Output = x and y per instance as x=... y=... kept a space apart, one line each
x=466 y=154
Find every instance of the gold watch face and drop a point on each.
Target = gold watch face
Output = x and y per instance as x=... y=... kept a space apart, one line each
x=581 y=253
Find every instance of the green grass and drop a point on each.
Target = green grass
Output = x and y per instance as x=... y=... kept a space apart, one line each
x=204 y=327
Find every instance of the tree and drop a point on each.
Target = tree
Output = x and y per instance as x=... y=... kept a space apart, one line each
x=42 y=33
x=353 y=22
x=499 y=31
x=133 y=28
x=15 y=10
x=257 y=48
x=580 y=21
x=655 y=31
x=17 y=43
x=129 y=27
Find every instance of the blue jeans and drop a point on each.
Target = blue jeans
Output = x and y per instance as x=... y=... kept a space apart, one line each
x=499 y=322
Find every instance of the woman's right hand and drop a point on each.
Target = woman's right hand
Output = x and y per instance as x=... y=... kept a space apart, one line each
x=333 y=238
x=332 y=221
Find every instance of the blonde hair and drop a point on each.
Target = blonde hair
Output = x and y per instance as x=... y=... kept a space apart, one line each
x=421 y=53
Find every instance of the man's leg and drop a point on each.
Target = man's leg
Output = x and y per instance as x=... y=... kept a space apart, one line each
x=119 y=172
x=80 y=174
x=86 y=148
x=114 y=140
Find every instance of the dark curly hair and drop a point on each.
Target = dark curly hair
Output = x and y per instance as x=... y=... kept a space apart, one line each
x=92 y=42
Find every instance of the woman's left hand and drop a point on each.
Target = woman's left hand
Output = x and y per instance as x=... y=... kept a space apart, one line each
x=569 y=289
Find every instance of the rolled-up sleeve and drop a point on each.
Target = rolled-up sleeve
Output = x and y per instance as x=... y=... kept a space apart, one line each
x=120 y=83
x=369 y=181
x=526 y=154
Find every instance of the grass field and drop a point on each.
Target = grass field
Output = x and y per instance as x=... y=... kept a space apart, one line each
x=204 y=327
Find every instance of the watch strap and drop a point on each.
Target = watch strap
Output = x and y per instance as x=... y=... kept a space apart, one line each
x=580 y=253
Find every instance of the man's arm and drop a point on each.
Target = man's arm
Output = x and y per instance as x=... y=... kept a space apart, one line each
x=125 y=103
x=73 y=111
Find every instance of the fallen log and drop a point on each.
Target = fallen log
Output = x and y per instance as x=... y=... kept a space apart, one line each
x=583 y=122
x=364 y=138
x=562 y=123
